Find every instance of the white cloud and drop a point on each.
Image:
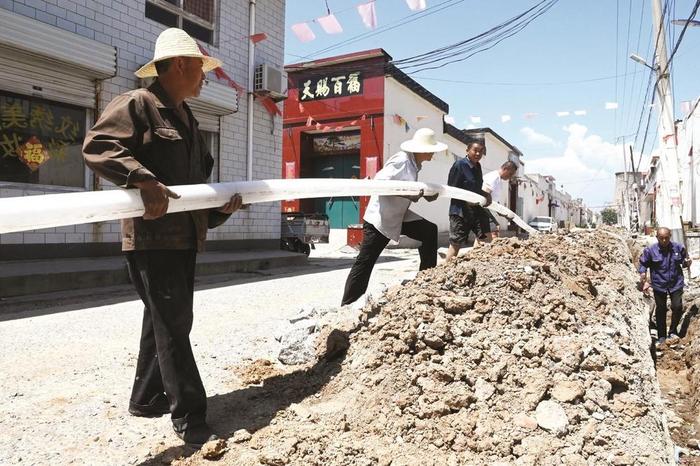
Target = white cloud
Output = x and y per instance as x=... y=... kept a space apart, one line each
x=533 y=137
x=586 y=168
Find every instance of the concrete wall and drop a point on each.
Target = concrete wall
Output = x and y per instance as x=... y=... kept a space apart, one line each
x=398 y=99
x=689 y=166
x=123 y=25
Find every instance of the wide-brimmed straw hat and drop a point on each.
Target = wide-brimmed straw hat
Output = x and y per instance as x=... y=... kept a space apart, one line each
x=174 y=42
x=423 y=141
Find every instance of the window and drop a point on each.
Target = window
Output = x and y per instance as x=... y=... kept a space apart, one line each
x=212 y=141
x=196 y=17
x=41 y=141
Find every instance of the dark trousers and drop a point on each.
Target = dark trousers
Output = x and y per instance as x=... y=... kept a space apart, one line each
x=661 y=309
x=374 y=243
x=164 y=279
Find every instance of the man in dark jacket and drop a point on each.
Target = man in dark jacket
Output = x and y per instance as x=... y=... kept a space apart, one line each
x=665 y=261
x=148 y=139
x=465 y=218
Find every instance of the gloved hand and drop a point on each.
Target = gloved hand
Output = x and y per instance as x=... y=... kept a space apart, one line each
x=431 y=198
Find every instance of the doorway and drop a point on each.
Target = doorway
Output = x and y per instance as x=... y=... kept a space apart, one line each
x=341 y=211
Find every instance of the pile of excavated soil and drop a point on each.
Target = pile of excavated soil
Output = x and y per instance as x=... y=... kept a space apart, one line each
x=524 y=353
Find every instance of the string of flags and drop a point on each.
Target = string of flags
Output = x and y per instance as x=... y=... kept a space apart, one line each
x=401 y=121
x=330 y=24
x=219 y=72
x=505 y=118
x=311 y=122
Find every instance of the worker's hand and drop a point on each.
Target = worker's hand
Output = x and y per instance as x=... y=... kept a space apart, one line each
x=431 y=198
x=155 y=196
x=489 y=200
x=644 y=286
x=688 y=261
x=231 y=206
x=415 y=198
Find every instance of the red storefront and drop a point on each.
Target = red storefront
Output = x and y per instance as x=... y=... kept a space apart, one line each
x=334 y=127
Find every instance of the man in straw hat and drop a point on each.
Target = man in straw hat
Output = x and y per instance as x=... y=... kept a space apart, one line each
x=148 y=139
x=388 y=217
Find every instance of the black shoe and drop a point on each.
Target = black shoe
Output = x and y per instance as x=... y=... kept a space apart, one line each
x=194 y=436
x=158 y=406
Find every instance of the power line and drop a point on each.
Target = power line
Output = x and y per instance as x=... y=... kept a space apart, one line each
x=389 y=26
x=467 y=48
x=551 y=83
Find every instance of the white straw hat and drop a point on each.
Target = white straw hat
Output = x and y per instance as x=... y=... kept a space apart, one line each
x=174 y=42
x=423 y=141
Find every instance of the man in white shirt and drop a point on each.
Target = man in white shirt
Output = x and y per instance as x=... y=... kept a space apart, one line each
x=494 y=182
x=388 y=217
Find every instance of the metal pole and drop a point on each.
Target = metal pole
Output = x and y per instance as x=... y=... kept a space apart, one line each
x=251 y=88
x=670 y=213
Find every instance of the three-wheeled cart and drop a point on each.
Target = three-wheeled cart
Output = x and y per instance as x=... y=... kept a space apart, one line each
x=301 y=231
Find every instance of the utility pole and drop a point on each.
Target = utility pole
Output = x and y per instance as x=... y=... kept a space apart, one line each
x=669 y=213
x=634 y=196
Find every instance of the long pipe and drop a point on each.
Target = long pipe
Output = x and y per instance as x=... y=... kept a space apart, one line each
x=251 y=88
x=54 y=210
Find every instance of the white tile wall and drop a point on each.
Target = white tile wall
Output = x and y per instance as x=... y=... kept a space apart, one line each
x=123 y=24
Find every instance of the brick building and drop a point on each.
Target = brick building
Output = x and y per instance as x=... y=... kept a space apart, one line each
x=62 y=61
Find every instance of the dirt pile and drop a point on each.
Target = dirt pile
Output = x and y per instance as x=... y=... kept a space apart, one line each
x=523 y=353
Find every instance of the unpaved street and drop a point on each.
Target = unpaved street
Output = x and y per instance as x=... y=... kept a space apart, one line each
x=67 y=362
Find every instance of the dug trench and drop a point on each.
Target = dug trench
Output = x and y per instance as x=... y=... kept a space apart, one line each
x=533 y=352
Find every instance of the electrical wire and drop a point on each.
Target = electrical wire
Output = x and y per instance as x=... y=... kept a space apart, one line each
x=551 y=83
x=388 y=27
x=463 y=50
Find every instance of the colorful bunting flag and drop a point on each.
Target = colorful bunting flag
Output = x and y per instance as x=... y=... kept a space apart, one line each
x=416 y=5
x=685 y=107
x=330 y=24
x=448 y=119
x=530 y=115
x=255 y=38
x=368 y=14
x=303 y=32
x=505 y=118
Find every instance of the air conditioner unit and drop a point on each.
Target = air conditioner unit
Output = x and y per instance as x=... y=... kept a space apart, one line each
x=270 y=81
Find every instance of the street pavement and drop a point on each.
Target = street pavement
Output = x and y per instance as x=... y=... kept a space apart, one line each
x=67 y=359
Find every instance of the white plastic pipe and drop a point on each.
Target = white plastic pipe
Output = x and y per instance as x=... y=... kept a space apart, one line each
x=55 y=210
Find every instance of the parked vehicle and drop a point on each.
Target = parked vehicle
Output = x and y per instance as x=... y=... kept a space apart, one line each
x=543 y=224
x=301 y=231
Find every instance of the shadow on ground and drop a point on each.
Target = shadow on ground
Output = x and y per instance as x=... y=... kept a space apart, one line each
x=51 y=303
x=253 y=408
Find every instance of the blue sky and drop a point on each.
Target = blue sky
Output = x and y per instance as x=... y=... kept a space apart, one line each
x=540 y=70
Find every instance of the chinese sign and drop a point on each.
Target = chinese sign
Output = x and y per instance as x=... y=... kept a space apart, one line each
x=327 y=87
x=336 y=144
x=40 y=141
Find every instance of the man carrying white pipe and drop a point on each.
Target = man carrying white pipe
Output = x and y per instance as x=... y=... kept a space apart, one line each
x=465 y=218
x=493 y=183
x=149 y=139
x=388 y=217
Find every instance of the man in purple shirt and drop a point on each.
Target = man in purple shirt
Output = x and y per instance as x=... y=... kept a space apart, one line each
x=665 y=261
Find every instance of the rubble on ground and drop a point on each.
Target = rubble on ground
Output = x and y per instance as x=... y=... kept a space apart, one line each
x=529 y=352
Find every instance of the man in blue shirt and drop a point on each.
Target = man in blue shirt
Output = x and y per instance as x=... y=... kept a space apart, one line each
x=464 y=218
x=665 y=261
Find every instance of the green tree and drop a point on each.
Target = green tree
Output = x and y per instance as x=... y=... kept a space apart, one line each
x=609 y=216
